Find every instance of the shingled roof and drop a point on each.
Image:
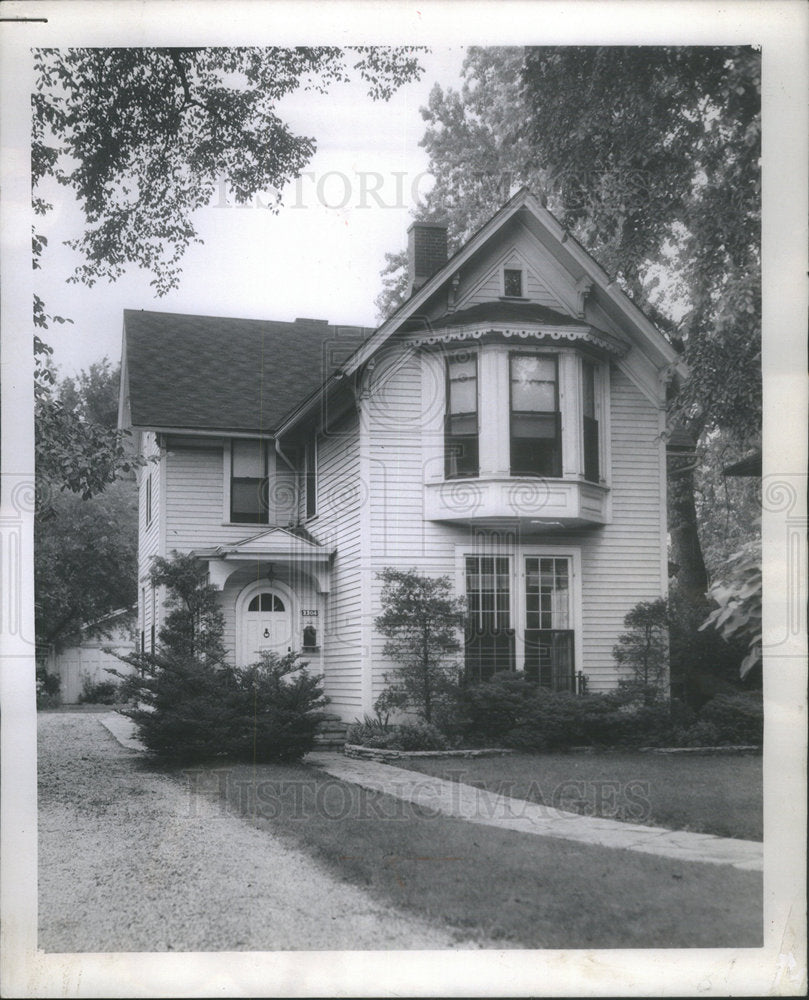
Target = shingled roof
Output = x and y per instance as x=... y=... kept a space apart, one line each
x=215 y=373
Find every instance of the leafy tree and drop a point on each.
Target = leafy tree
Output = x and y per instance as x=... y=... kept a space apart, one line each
x=738 y=596
x=421 y=621
x=643 y=648
x=143 y=136
x=85 y=562
x=93 y=394
x=650 y=157
x=85 y=556
x=701 y=662
x=77 y=446
x=191 y=705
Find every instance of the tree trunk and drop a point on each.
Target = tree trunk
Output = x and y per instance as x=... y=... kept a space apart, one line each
x=686 y=550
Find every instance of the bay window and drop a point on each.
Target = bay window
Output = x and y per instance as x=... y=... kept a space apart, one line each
x=461 y=418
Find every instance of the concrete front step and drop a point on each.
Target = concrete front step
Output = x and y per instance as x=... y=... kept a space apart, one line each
x=331 y=733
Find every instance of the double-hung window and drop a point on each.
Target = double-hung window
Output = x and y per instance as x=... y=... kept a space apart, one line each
x=590 y=422
x=461 y=419
x=535 y=426
x=248 y=482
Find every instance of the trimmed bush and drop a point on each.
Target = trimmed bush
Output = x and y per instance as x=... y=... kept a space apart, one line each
x=100 y=692
x=193 y=706
x=194 y=711
x=513 y=712
x=738 y=718
x=491 y=709
x=406 y=736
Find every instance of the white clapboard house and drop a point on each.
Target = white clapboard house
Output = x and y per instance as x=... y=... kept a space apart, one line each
x=505 y=427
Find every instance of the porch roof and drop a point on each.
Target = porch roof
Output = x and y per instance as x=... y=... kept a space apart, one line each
x=279 y=543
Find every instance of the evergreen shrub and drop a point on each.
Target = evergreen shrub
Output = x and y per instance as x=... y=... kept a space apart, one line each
x=191 y=705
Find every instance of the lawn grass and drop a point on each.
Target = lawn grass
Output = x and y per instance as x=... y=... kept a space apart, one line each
x=704 y=793
x=499 y=887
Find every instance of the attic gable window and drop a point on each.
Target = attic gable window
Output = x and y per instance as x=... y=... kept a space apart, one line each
x=461 y=419
x=536 y=425
x=512 y=283
x=248 y=482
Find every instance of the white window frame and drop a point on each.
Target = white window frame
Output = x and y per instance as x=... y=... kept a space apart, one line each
x=227 y=456
x=517 y=553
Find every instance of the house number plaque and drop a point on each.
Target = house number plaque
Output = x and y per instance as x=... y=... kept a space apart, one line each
x=312 y=613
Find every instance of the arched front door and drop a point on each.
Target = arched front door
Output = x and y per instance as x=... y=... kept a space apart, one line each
x=266 y=624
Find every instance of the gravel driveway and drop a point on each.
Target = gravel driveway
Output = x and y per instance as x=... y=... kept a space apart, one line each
x=128 y=861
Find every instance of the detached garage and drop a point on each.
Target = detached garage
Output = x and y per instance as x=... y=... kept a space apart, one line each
x=88 y=660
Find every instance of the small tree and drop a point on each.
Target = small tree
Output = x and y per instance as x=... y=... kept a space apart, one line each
x=191 y=705
x=644 y=648
x=421 y=621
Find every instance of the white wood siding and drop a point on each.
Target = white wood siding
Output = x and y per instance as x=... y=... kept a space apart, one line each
x=621 y=562
x=149 y=535
x=340 y=496
x=545 y=281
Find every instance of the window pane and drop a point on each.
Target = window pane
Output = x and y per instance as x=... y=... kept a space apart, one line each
x=588 y=390
x=533 y=395
x=534 y=426
x=248 y=459
x=463 y=367
x=278 y=604
x=246 y=498
x=512 y=282
x=255 y=604
x=533 y=367
x=465 y=425
x=463 y=396
x=533 y=383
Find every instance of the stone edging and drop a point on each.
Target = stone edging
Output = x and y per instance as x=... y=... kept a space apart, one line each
x=381 y=753
x=740 y=748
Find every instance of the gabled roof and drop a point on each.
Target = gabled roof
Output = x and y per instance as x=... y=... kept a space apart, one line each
x=610 y=296
x=216 y=373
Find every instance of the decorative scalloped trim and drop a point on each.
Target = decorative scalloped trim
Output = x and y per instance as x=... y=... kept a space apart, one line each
x=553 y=332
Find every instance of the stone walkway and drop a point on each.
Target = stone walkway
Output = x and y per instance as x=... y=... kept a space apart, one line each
x=477 y=805
x=491 y=809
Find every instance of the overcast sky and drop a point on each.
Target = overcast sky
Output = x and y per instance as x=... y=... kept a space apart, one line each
x=319 y=257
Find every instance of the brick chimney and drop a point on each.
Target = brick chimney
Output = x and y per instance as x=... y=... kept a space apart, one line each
x=426 y=252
